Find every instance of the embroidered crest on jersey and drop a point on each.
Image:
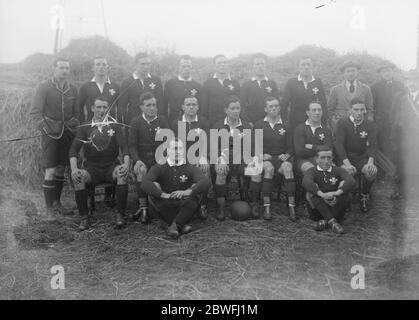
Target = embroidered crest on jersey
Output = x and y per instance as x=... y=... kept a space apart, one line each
x=315 y=90
x=333 y=180
x=183 y=178
x=112 y=92
x=281 y=131
x=193 y=92
x=152 y=86
x=363 y=134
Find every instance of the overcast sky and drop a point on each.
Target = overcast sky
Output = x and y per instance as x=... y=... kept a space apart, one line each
x=204 y=28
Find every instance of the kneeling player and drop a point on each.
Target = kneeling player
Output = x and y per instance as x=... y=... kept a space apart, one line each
x=234 y=127
x=101 y=143
x=328 y=188
x=308 y=136
x=143 y=145
x=356 y=147
x=190 y=120
x=176 y=187
x=277 y=153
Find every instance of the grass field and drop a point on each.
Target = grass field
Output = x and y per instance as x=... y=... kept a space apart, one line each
x=219 y=260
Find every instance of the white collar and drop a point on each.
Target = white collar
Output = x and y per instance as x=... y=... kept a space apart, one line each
x=320 y=169
x=308 y=124
x=182 y=79
x=254 y=79
x=194 y=119
x=348 y=83
x=226 y=123
x=228 y=77
x=148 y=120
x=353 y=121
x=94 y=80
x=172 y=163
x=136 y=77
x=300 y=78
x=279 y=121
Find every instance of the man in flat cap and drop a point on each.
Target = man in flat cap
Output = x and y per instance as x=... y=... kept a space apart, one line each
x=342 y=94
x=383 y=93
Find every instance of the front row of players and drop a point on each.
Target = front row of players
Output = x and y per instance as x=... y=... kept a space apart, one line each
x=178 y=189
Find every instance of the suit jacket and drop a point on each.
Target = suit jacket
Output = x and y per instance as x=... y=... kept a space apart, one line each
x=383 y=94
x=340 y=98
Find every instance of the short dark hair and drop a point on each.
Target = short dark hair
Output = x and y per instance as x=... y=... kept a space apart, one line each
x=270 y=98
x=218 y=56
x=140 y=55
x=101 y=98
x=312 y=102
x=231 y=99
x=355 y=101
x=323 y=148
x=99 y=57
x=60 y=59
x=189 y=96
x=258 y=56
x=305 y=58
x=146 y=96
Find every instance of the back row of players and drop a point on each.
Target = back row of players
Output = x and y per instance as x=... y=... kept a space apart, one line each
x=295 y=127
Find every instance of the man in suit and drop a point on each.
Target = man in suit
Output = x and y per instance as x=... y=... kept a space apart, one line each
x=254 y=92
x=383 y=93
x=342 y=94
x=217 y=90
x=135 y=85
x=176 y=89
x=300 y=91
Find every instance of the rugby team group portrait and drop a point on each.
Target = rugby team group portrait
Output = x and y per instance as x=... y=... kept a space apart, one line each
x=331 y=147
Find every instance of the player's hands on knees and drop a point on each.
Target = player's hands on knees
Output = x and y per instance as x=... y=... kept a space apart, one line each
x=165 y=195
x=179 y=194
x=123 y=170
x=371 y=169
x=350 y=169
x=267 y=157
x=138 y=165
x=332 y=202
x=284 y=157
x=77 y=175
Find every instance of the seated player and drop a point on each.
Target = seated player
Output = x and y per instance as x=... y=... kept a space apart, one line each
x=190 y=120
x=234 y=127
x=143 y=145
x=101 y=143
x=308 y=136
x=328 y=188
x=356 y=145
x=176 y=188
x=277 y=154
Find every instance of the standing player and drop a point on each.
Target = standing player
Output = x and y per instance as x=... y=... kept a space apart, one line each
x=192 y=121
x=139 y=82
x=176 y=89
x=55 y=113
x=254 y=92
x=328 y=187
x=234 y=126
x=101 y=143
x=176 y=187
x=142 y=145
x=299 y=92
x=100 y=85
x=217 y=90
x=342 y=94
x=356 y=145
x=308 y=136
x=277 y=154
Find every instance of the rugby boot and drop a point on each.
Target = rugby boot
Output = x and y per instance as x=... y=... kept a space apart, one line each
x=364 y=203
x=267 y=215
x=172 y=231
x=84 y=223
x=254 y=210
x=119 y=220
x=186 y=229
x=203 y=212
x=291 y=210
x=319 y=225
x=335 y=226
x=142 y=215
x=220 y=215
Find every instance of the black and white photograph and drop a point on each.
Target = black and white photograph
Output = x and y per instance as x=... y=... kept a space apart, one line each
x=209 y=155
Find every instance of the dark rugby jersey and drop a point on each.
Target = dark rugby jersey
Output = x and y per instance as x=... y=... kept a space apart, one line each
x=304 y=135
x=316 y=179
x=276 y=140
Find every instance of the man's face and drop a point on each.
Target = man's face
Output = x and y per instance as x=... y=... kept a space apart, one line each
x=190 y=106
x=144 y=66
x=358 y=111
x=324 y=159
x=259 y=67
x=185 y=68
x=387 y=74
x=221 y=65
x=272 y=108
x=62 y=70
x=412 y=85
x=233 y=110
x=99 y=109
x=175 y=150
x=100 y=67
x=350 y=73
x=306 y=67
x=149 y=107
x=315 y=112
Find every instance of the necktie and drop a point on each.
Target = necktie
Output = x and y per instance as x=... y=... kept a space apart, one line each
x=351 y=86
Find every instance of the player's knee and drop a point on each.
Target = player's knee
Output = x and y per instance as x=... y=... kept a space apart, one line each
x=305 y=166
x=59 y=170
x=256 y=178
x=287 y=167
x=221 y=170
x=268 y=169
x=50 y=173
